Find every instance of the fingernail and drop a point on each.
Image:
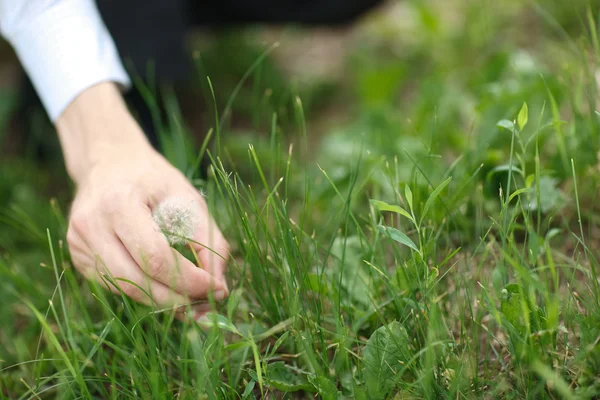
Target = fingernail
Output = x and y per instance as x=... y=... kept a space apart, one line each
x=203 y=320
x=220 y=295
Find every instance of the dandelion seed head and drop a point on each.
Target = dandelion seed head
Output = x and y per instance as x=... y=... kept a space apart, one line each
x=177 y=218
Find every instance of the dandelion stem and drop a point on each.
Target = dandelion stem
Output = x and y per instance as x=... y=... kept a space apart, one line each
x=195 y=255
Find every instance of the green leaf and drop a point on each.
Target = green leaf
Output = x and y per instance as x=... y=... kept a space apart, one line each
x=398 y=236
x=503 y=168
x=220 y=321
x=281 y=377
x=280 y=341
x=550 y=195
x=359 y=393
x=523 y=116
x=355 y=279
x=409 y=197
x=552 y=233
x=518 y=192
x=237 y=346
x=385 y=355
x=383 y=206
x=520 y=309
x=433 y=196
x=506 y=124
x=512 y=305
x=233 y=302
x=530 y=181
x=326 y=389
x=317 y=284
x=249 y=389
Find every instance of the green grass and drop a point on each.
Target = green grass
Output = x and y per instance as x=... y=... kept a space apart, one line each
x=440 y=242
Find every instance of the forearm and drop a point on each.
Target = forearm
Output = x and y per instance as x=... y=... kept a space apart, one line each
x=97 y=125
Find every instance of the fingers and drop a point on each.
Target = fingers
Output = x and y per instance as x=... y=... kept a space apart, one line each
x=193 y=312
x=150 y=250
x=212 y=249
x=129 y=278
x=111 y=265
x=200 y=310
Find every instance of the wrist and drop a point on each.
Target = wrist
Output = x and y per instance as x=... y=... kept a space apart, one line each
x=97 y=127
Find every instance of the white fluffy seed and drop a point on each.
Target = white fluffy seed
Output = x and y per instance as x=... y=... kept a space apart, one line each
x=178 y=219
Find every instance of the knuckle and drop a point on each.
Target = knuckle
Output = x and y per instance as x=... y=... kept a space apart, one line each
x=224 y=247
x=78 y=224
x=156 y=263
x=72 y=236
x=130 y=290
x=123 y=191
x=112 y=201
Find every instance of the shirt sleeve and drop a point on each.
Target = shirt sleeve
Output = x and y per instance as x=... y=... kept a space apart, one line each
x=63 y=46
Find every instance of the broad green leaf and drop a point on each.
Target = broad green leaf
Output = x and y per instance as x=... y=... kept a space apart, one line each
x=355 y=279
x=398 y=236
x=550 y=195
x=316 y=283
x=283 y=378
x=535 y=245
x=359 y=393
x=518 y=192
x=552 y=233
x=280 y=341
x=249 y=389
x=530 y=181
x=325 y=387
x=503 y=168
x=506 y=124
x=512 y=305
x=237 y=345
x=434 y=273
x=385 y=355
x=257 y=362
x=383 y=206
x=233 y=302
x=347 y=381
x=220 y=321
x=523 y=116
x=433 y=196
x=409 y=197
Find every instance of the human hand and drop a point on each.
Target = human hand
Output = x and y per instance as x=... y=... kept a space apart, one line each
x=120 y=181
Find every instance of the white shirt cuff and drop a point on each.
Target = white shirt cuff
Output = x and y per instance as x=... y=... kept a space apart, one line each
x=65 y=48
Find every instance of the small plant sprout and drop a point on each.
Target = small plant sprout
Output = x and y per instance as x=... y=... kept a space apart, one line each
x=177 y=218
